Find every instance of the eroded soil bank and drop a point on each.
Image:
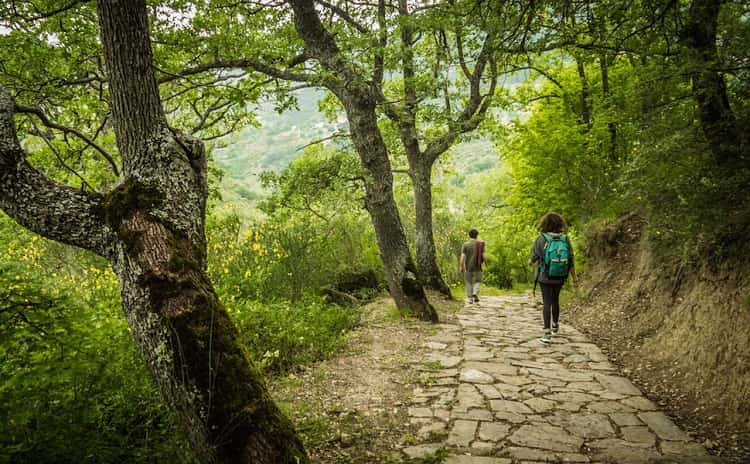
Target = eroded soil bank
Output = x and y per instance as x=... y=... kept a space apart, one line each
x=678 y=330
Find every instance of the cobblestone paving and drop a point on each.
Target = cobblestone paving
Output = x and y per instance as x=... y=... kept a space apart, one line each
x=494 y=394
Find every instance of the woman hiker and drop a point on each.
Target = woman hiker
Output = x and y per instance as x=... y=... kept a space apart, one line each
x=553 y=255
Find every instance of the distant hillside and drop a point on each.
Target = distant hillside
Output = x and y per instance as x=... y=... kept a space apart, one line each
x=281 y=138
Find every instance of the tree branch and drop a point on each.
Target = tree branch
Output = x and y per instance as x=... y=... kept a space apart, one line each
x=320 y=44
x=379 y=60
x=241 y=63
x=47 y=14
x=336 y=135
x=62 y=162
x=68 y=130
x=50 y=209
x=475 y=110
x=344 y=15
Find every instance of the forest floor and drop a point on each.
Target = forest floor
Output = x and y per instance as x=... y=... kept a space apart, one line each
x=479 y=388
x=354 y=408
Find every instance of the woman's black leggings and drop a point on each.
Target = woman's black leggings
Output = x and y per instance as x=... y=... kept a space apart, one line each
x=551 y=299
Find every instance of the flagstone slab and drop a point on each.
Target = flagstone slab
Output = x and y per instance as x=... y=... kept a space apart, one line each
x=473 y=414
x=513 y=380
x=617 y=384
x=494 y=368
x=674 y=448
x=422 y=451
x=563 y=374
x=493 y=431
x=469 y=397
x=640 y=402
x=620 y=452
x=420 y=412
x=462 y=433
x=587 y=426
x=546 y=437
x=571 y=397
x=663 y=426
x=447 y=361
x=478 y=355
x=431 y=429
x=475 y=460
x=540 y=404
x=638 y=434
x=623 y=419
x=515 y=407
x=575 y=358
x=608 y=407
x=490 y=392
x=510 y=417
x=475 y=376
x=585 y=386
x=436 y=346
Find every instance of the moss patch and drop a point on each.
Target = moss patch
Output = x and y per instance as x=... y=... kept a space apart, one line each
x=125 y=199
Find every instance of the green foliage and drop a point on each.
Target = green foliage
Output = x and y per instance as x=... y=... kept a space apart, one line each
x=74 y=388
x=283 y=334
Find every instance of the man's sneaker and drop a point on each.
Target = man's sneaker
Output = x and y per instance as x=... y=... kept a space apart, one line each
x=555 y=328
x=546 y=338
x=475 y=298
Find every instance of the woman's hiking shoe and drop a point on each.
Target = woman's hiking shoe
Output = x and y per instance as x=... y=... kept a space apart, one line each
x=555 y=328
x=475 y=298
x=546 y=338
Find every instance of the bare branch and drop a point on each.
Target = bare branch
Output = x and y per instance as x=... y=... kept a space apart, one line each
x=461 y=59
x=336 y=135
x=240 y=64
x=62 y=162
x=68 y=130
x=541 y=71
x=344 y=15
x=39 y=14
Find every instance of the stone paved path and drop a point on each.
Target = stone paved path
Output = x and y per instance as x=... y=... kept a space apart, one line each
x=493 y=394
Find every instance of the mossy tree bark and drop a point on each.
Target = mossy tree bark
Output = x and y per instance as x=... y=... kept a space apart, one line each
x=359 y=96
x=151 y=229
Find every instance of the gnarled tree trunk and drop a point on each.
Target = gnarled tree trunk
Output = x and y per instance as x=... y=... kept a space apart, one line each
x=404 y=282
x=359 y=100
x=151 y=229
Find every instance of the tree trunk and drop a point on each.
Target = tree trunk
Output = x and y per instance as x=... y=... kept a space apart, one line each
x=585 y=117
x=709 y=89
x=421 y=175
x=186 y=336
x=611 y=126
x=151 y=229
x=404 y=282
x=420 y=166
x=358 y=98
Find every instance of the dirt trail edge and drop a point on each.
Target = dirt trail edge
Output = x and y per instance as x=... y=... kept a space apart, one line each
x=497 y=395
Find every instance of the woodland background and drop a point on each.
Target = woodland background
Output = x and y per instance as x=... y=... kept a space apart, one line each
x=596 y=111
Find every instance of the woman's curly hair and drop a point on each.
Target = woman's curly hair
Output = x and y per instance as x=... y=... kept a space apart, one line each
x=551 y=222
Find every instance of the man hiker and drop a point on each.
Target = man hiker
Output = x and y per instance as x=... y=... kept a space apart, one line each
x=470 y=264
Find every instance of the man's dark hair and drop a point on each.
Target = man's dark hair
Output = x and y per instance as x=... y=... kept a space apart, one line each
x=473 y=233
x=551 y=222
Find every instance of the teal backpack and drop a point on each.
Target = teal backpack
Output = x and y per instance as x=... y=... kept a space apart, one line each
x=556 y=257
